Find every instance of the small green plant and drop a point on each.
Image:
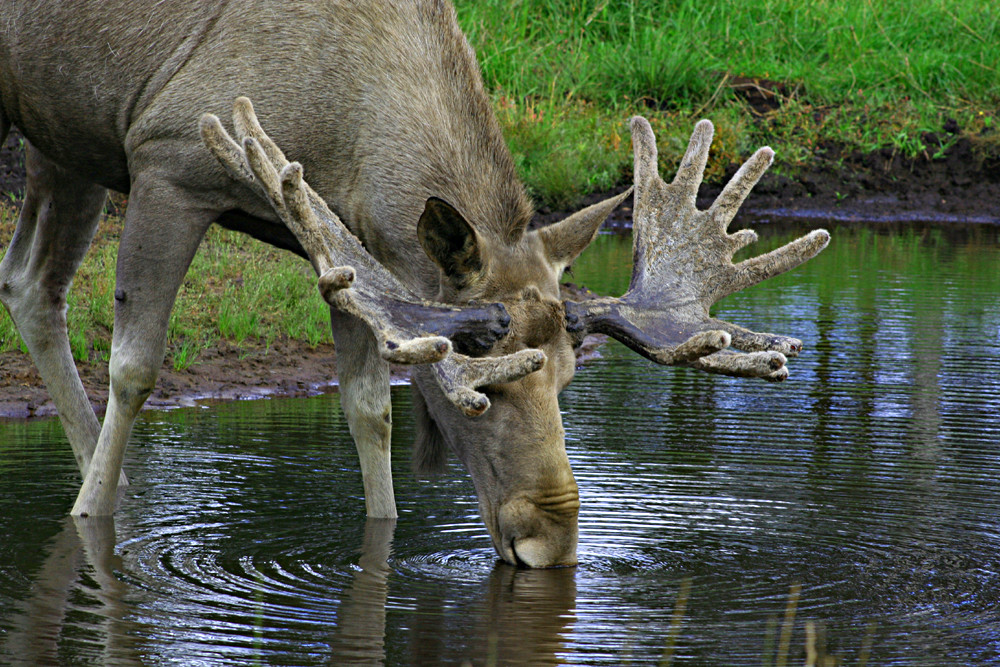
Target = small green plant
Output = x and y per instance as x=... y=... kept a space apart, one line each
x=236 y=321
x=942 y=150
x=185 y=354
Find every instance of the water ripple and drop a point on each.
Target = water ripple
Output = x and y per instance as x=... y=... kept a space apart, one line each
x=859 y=498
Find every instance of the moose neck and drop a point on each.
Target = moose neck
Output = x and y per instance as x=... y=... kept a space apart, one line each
x=435 y=135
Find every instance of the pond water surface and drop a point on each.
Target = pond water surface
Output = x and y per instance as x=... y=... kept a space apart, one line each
x=852 y=511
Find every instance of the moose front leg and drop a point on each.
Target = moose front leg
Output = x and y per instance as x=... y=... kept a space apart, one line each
x=364 y=395
x=161 y=234
x=54 y=230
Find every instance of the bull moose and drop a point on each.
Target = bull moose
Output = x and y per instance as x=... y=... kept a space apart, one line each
x=413 y=217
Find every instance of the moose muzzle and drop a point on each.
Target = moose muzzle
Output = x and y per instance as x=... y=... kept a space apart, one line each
x=541 y=530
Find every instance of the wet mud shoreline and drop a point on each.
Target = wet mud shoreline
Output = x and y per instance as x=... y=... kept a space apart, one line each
x=962 y=186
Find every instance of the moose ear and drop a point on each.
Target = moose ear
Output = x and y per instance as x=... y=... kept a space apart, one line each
x=450 y=241
x=566 y=239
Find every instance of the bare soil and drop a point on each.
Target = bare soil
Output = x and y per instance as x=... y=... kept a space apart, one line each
x=223 y=373
x=961 y=186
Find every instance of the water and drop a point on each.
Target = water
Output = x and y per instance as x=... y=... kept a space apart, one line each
x=853 y=511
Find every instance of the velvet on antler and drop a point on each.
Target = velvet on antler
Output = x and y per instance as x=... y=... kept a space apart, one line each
x=682 y=265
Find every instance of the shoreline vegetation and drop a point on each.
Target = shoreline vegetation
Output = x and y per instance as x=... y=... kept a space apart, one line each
x=815 y=80
x=836 y=87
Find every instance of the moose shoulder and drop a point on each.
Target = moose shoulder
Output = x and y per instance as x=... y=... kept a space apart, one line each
x=413 y=218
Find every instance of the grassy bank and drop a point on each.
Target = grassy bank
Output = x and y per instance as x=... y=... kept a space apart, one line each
x=865 y=74
x=565 y=75
x=237 y=289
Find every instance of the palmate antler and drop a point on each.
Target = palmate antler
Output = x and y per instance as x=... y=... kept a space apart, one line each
x=682 y=265
x=409 y=330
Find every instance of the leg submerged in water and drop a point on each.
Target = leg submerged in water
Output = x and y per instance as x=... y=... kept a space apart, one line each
x=364 y=389
x=163 y=228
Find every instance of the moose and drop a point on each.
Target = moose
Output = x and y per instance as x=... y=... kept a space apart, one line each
x=413 y=218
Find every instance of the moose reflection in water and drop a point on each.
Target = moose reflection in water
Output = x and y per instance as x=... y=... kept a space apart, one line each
x=524 y=614
x=79 y=567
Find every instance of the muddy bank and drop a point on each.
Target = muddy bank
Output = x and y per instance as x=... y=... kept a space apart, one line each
x=959 y=187
x=223 y=373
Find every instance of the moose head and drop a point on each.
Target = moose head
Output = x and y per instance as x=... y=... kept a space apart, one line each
x=495 y=405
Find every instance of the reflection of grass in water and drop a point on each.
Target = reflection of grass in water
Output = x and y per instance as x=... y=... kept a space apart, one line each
x=677 y=620
x=776 y=647
x=776 y=656
x=854 y=256
x=815 y=639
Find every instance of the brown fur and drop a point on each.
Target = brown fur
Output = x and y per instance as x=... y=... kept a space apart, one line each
x=430 y=451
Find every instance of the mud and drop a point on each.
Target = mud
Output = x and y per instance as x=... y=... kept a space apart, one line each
x=962 y=186
x=225 y=372
x=959 y=186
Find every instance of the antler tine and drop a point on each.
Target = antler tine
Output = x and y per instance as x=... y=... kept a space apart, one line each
x=683 y=264
x=287 y=192
x=246 y=125
x=755 y=270
x=459 y=376
x=245 y=164
x=692 y=169
x=409 y=330
x=645 y=171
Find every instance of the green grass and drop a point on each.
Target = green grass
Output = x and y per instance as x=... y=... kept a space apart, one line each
x=237 y=290
x=566 y=75
x=677 y=52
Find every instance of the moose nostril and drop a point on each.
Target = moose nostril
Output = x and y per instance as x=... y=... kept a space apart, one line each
x=504 y=318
